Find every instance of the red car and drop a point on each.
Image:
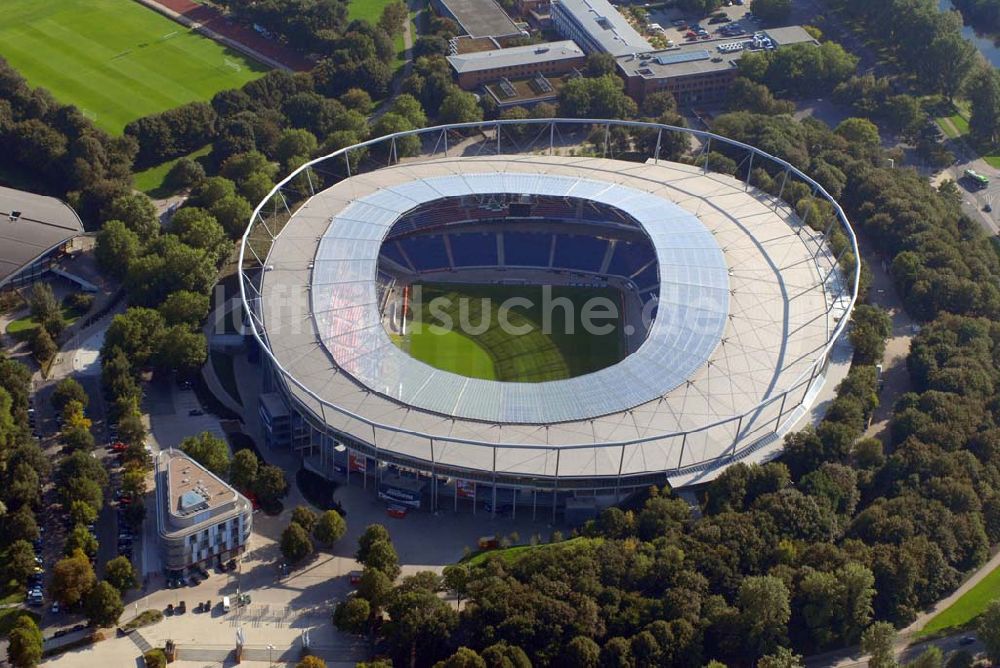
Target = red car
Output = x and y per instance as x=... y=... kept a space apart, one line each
x=118 y=446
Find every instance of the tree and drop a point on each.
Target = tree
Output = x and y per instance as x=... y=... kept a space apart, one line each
x=878 y=641
x=311 y=662
x=763 y=602
x=462 y=658
x=295 y=543
x=155 y=658
x=66 y=390
x=116 y=248
x=984 y=95
x=358 y=100
x=870 y=327
x=583 y=652
x=42 y=346
x=136 y=333
x=859 y=131
x=270 y=485
x=184 y=307
x=989 y=630
x=409 y=108
x=946 y=63
x=199 y=229
x=80 y=539
x=382 y=557
x=25 y=643
x=233 y=213
x=184 y=174
x=372 y=534
x=182 y=350
x=137 y=212
x=19 y=560
x=305 y=517
x=243 y=469
x=771 y=11
x=43 y=303
x=781 y=658
x=460 y=107
x=81 y=512
x=103 y=605
x=295 y=142
x=391 y=123
x=208 y=450
x=72 y=577
x=330 y=528
x=600 y=64
x=120 y=574
x=503 y=655
x=352 y=615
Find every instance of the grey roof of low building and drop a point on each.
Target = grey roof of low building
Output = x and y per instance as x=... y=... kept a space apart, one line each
x=703 y=56
x=517 y=55
x=30 y=225
x=606 y=26
x=482 y=18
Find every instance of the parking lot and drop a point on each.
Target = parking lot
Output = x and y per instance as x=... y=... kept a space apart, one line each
x=684 y=28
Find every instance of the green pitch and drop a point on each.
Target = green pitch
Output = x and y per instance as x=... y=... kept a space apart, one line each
x=529 y=355
x=115 y=59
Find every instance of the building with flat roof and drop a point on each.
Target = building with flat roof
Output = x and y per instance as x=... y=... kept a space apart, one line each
x=700 y=72
x=34 y=229
x=478 y=18
x=200 y=519
x=597 y=27
x=553 y=58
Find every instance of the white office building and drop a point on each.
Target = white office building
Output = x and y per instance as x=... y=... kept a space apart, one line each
x=201 y=520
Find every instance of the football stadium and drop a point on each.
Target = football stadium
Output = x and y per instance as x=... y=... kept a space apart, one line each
x=516 y=316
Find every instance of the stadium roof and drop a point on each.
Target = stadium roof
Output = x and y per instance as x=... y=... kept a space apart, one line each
x=481 y=18
x=606 y=26
x=694 y=303
x=30 y=225
x=775 y=324
x=530 y=54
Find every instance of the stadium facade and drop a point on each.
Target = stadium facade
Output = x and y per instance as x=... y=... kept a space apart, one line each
x=746 y=305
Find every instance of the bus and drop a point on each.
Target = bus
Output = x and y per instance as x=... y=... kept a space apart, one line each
x=977 y=179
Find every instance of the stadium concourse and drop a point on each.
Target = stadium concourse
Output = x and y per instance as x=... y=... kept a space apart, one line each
x=747 y=301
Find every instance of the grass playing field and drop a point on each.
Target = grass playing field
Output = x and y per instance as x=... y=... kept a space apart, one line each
x=487 y=351
x=115 y=59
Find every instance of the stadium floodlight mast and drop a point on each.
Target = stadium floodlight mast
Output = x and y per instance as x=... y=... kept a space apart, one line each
x=489 y=137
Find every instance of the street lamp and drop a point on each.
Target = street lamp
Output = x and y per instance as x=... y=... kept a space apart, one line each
x=270 y=659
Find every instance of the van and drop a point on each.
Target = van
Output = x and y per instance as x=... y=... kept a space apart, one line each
x=225 y=604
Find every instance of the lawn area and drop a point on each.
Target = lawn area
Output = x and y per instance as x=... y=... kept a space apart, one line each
x=115 y=59
x=22 y=328
x=514 y=554
x=963 y=611
x=533 y=351
x=371 y=10
x=150 y=181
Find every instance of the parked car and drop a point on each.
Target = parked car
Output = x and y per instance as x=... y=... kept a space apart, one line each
x=55 y=607
x=967 y=640
x=181 y=608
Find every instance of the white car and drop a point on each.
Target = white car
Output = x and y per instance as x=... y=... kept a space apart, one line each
x=55 y=607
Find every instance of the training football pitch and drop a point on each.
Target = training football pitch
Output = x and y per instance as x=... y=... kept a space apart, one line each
x=115 y=59
x=528 y=351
